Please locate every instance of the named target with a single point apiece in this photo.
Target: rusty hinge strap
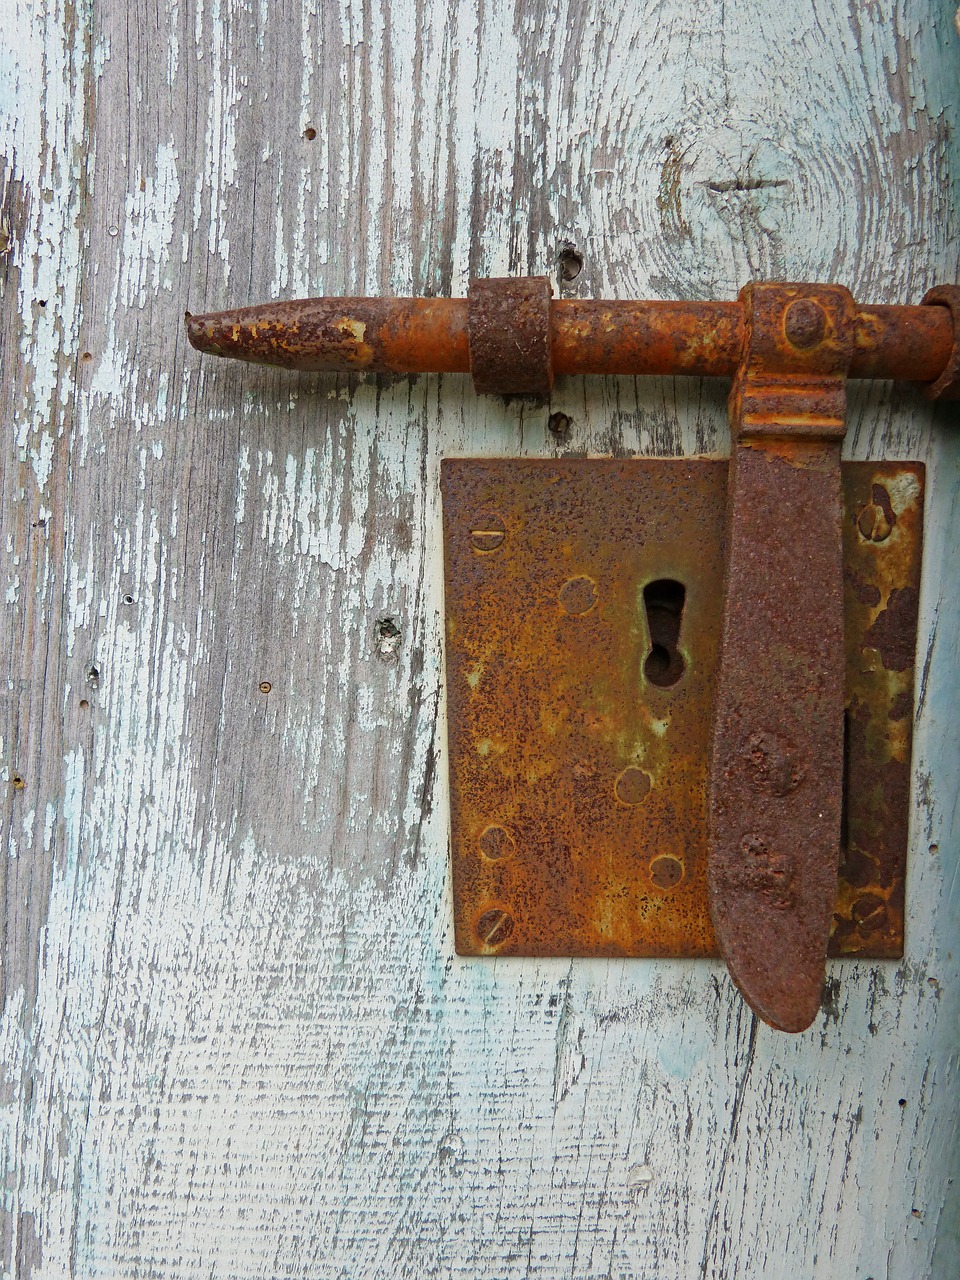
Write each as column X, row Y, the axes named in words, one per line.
column 777, row 766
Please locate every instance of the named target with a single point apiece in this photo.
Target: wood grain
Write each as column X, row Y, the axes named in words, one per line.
column 236, row 1041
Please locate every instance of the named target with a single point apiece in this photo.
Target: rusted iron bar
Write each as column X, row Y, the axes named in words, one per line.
column 432, row 335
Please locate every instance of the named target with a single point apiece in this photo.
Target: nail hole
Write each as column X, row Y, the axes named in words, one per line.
column 265, row 686
column 559, row 424
column 18, row 782
column 664, row 600
column 42, row 302
column 901, row 1102
column 93, row 676
column 570, row 262
column 310, row 133
column 388, row 639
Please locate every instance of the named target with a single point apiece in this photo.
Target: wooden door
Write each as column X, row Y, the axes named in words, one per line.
column 236, row 1040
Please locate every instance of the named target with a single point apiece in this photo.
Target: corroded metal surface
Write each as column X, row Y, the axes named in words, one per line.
column 422, row 335
column 882, row 544
column 580, row 692
column 947, row 386
column 577, row 783
column 777, row 767
column 509, row 327
column 349, row 335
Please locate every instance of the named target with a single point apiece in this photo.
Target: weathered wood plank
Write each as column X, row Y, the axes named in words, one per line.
column 236, row 1040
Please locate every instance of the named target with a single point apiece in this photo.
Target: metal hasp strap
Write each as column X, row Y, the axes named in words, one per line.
column 776, row 785
column 776, row 778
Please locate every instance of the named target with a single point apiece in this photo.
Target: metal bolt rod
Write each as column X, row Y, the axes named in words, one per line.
column 430, row 335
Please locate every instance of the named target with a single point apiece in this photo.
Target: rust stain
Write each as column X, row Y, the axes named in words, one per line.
column 578, row 784
column 881, row 586
column 893, row 633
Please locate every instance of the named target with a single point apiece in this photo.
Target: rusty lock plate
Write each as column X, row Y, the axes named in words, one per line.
column 583, row 609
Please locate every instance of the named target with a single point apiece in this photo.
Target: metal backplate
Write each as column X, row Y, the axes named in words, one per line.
column 583, row 604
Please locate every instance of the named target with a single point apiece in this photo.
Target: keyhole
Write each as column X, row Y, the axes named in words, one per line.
column 663, row 601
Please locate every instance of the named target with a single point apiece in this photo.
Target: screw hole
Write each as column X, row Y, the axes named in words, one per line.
column 309, row 133
column 84, row 705
column 559, row 424
column 570, row 262
column 664, row 601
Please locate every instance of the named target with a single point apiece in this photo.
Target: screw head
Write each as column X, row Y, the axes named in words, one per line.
column 805, row 323
column 873, row 523
column 632, row 785
column 494, row 927
column 666, row 871
column 488, row 533
column 496, row 843
column 578, row 595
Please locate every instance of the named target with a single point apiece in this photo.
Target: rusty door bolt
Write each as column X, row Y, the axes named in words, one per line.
column 514, row 337
column 772, row 861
